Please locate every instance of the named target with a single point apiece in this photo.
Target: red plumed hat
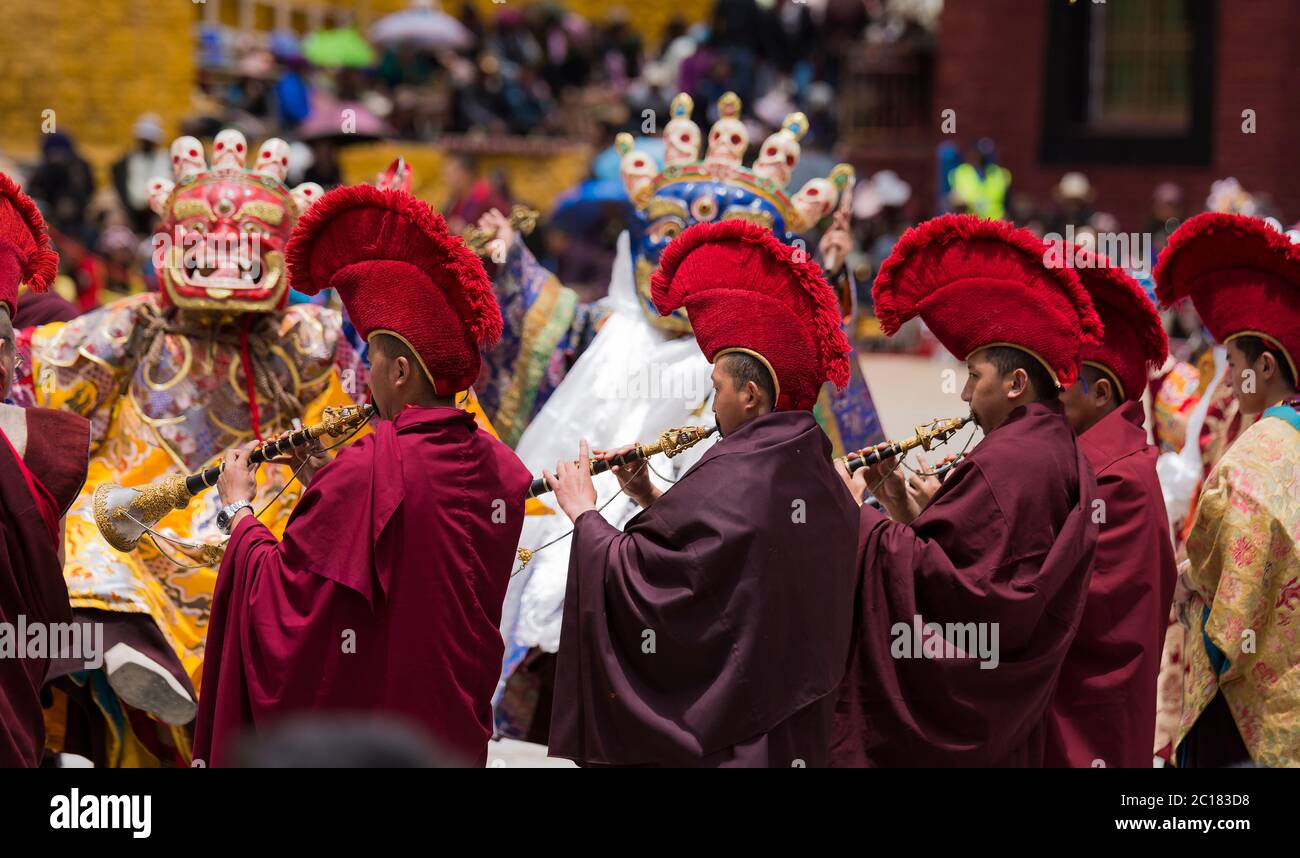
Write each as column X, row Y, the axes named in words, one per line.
column 746, row 291
column 1134, row 339
column 399, row 271
column 1242, row 275
column 978, row 283
column 25, row 252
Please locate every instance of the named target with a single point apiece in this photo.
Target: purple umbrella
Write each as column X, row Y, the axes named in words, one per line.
column 422, row 26
column 342, row 121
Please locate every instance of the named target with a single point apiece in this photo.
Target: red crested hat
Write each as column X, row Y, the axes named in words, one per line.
column 25, row 252
column 400, row 272
column 746, row 291
column 1134, row 339
column 1242, row 275
column 979, row 283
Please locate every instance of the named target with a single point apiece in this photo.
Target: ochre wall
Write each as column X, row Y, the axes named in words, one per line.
column 97, row 64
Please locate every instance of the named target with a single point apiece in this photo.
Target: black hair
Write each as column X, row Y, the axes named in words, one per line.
column 1252, row 347
column 392, row 348
column 1008, row 359
column 1092, row 374
column 744, row 368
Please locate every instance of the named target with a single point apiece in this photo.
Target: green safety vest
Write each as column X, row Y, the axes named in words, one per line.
column 986, row 196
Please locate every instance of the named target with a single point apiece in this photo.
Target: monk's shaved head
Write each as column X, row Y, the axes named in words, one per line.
column 397, row 377
column 744, row 368
column 392, row 348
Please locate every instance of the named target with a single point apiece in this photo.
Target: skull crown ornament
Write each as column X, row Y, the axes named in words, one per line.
column 692, row 189
column 224, row 226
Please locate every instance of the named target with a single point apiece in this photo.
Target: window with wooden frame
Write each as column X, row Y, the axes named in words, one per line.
column 1129, row 80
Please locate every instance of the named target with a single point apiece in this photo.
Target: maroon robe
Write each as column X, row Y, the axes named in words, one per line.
column 42, row 470
column 40, row 308
column 1104, row 712
column 385, row 595
column 1007, row 540
column 714, row 630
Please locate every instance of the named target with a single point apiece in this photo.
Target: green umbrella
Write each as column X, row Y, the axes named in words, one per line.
column 335, row 48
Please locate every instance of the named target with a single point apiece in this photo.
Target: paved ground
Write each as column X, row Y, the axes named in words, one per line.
column 908, row 391
column 509, row 754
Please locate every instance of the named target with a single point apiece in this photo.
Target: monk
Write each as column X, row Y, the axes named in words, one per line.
column 1104, row 712
column 385, row 595
column 714, row 629
column 43, row 460
column 969, row 600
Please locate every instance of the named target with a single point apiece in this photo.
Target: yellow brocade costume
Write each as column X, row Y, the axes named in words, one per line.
column 1245, row 566
column 177, row 408
column 166, row 394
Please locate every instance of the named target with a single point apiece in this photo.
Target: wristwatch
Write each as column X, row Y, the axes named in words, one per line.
column 227, row 515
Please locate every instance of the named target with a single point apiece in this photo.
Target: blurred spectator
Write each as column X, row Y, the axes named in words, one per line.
column 468, row 195
column 1166, row 214
column 324, row 169
column 120, row 275
column 981, row 187
column 584, row 263
column 1073, row 195
column 292, row 94
column 62, row 185
column 144, row 163
column 737, row 28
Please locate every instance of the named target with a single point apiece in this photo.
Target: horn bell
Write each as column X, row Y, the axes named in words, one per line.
column 123, row 514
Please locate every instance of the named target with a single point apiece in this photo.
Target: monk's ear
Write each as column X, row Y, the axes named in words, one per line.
column 1267, row 364
column 1019, row 383
column 1103, row 391
column 401, row 371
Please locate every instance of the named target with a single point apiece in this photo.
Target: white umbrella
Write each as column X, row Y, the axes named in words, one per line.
column 422, row 26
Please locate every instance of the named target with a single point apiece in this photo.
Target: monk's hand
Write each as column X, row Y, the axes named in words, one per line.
column 922, row 486
column 238, row 480
column 634, row 478
column 503, row 234
column 305, row 459
column 836, row 242
column 574, row 490
column 888, row 484
column 856, row 482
